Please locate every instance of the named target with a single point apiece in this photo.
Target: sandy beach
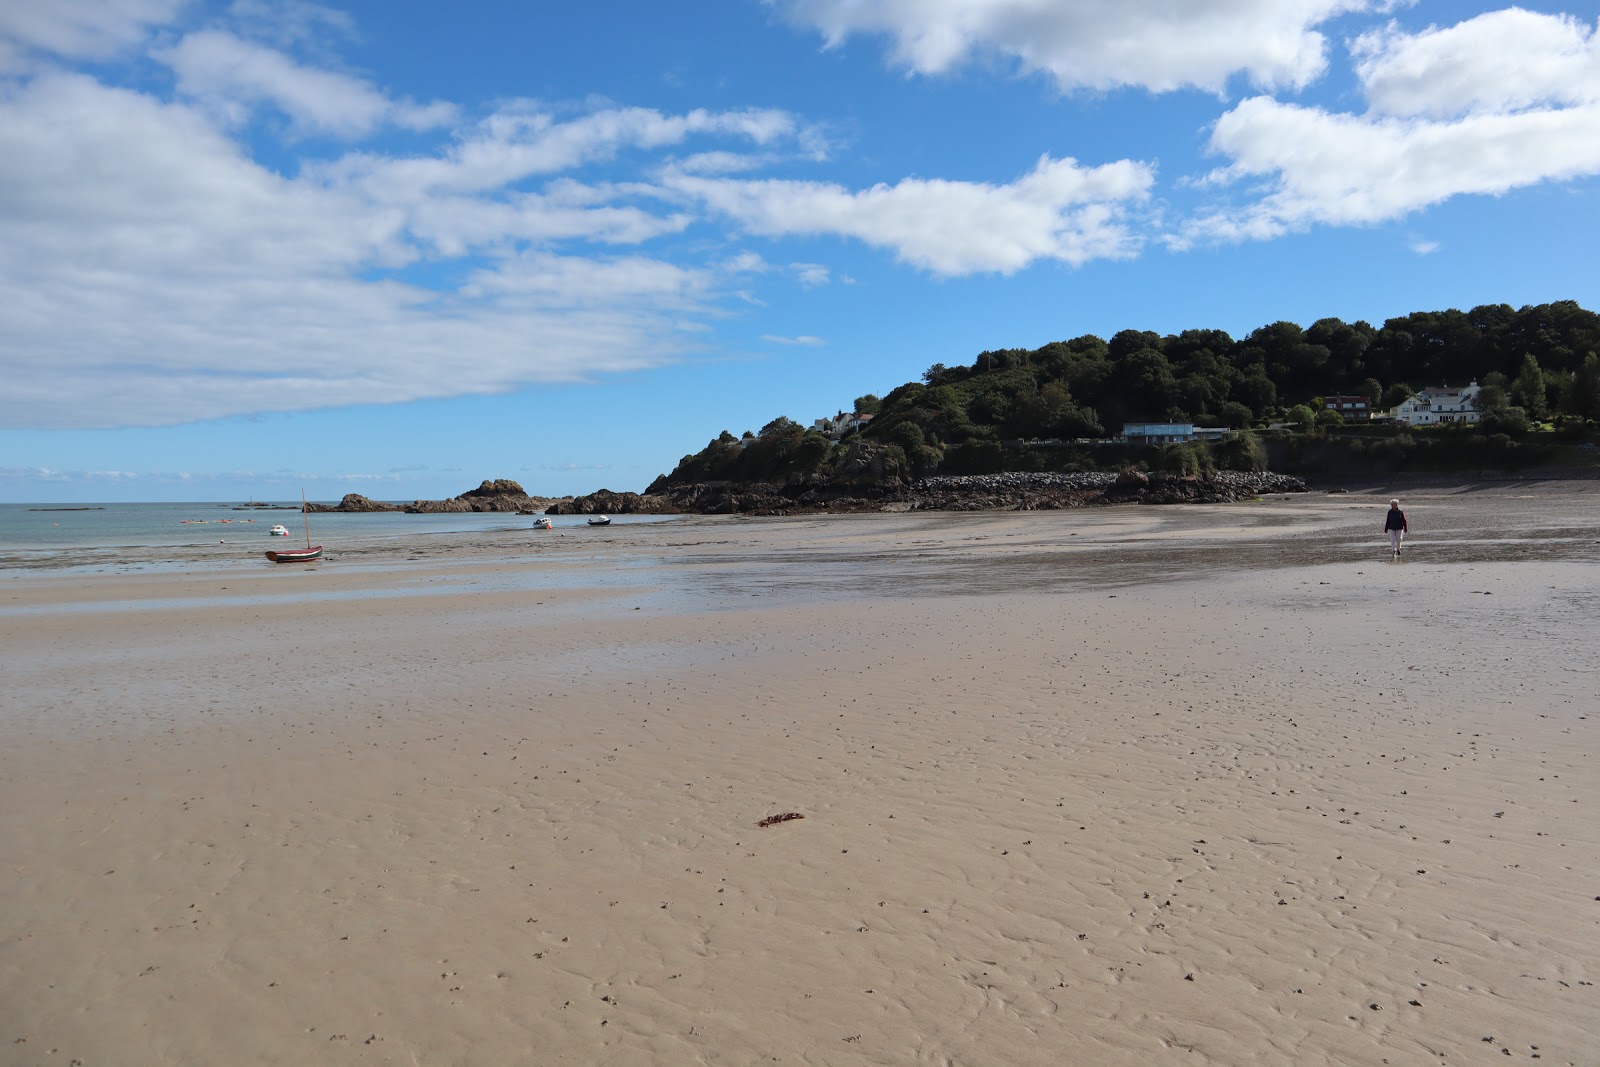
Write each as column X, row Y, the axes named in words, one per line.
column 1137, row 785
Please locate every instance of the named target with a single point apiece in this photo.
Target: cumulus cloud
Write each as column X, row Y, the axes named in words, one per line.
column 1059, row 211
column 156, row 274
column 1450, row 114
column 1159, row 45
column 1499, row 62
column 234, row 75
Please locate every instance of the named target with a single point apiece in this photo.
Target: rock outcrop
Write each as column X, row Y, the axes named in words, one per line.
column 606, row 502
column 977, row 492
column 354, row 502
column 500, row 494
column 974, row 492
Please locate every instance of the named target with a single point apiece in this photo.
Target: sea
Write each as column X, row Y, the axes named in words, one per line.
column 98, row 537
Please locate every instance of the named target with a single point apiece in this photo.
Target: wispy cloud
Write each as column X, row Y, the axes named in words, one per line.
column 231, row 76
column 811, row 275
column 804, row 340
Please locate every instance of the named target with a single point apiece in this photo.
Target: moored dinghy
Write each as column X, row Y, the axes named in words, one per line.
column 299, row 555
column 296, row 555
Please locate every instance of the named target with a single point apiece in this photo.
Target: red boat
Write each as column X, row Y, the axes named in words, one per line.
column 299, row 555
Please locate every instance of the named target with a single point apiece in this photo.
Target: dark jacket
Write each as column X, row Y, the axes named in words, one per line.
column 1396, row 520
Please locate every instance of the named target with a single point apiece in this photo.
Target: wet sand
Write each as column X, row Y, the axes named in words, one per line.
column 1212, row 785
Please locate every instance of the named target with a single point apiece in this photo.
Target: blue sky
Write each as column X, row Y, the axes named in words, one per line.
column 396, row 248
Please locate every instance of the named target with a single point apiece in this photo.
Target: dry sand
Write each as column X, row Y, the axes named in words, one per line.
column 1214, row 785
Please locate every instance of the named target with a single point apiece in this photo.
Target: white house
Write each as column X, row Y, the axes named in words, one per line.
column 1439, row 406
column 840, row 424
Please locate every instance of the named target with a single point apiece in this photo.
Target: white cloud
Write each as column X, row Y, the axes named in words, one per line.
column 1098, row 44
column 1423, row 247
column 523, row 140
column 810, row 275
column 1499, row 62
column 1058, row 210
column 156, row 275
column 1500, row 102
column 804, row 340
column 721, row 163
column 291, row 22
column 1343, row 169
column 77, row 29
column 232, row 75
column 538, row 279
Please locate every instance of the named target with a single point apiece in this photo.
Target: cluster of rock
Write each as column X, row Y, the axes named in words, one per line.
column 974, row 492
column 355, row 502
column 978, row 492
column 1134, row 486
column 500, row 494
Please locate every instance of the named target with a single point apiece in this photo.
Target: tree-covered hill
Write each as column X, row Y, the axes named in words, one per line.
column 1533, row 363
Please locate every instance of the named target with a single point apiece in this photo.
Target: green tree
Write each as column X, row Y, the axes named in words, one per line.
column 1397, row 394
column 1302, row 416
column 1233, row 415
column 1511, row 421
column 782, row 426
column 868, row 405
column 1256, row 392
column 1492, row 394
column 1582, row 399
column 1528, row 389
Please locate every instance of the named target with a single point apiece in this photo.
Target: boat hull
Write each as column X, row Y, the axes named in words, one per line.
column 296, row 555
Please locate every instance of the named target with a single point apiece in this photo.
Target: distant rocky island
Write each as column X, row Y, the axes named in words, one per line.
column 499, row 494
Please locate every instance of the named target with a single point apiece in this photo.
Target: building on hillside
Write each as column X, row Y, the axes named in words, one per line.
column 840, row 424
column 1440, row 406
column 1157, row 433
column 1353, row 408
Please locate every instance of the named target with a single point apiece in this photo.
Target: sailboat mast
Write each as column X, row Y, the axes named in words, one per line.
column 305, row 514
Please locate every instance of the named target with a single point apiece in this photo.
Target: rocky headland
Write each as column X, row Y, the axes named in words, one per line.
column 978, row 492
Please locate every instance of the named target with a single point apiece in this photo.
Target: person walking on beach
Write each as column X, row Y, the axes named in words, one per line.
column 1396, row 526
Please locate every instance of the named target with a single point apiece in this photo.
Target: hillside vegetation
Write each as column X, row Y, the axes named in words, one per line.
column 1048, row 408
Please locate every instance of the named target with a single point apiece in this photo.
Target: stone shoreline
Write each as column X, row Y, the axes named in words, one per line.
column 977, row 492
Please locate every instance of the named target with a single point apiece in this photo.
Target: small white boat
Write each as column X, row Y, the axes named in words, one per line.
column 279, row 531
column 600, row 520
column 542, row 523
